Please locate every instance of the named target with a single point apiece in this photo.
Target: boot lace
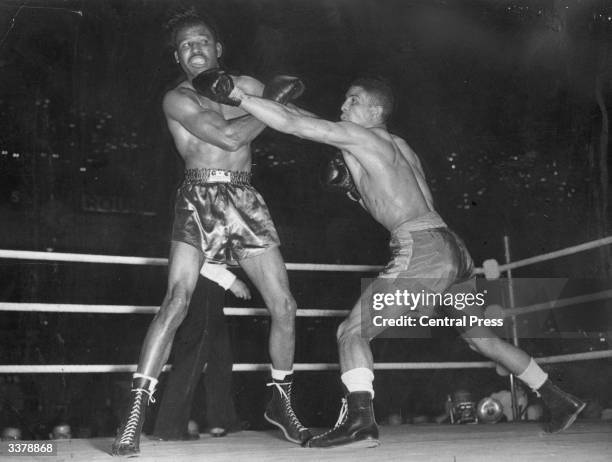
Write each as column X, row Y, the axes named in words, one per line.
column 341, row 419
column 284, row 390
column 134, row 417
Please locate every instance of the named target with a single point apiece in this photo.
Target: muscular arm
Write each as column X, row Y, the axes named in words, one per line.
column 301, row 111
column 202, row 119
column 293, row 121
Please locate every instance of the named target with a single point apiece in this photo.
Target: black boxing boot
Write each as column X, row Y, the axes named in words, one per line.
column 127, row 441
column 563, row 407
column 280, row 412
column 355, row 427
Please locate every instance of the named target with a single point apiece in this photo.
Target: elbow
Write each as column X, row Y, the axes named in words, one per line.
column 289, row 126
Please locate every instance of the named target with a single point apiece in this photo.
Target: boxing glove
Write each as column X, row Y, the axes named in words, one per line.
column 284, row 89
column 216, row 85
column 336, row 175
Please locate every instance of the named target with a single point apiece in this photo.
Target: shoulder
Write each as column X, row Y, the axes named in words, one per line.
column 357, row 137
column 356, row 130
column 369, row 145
column 383, row 139
column 177, row 94
column 248, row 84
column 183, row 98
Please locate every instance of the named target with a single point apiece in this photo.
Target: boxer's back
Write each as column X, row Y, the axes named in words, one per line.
column 391, row 182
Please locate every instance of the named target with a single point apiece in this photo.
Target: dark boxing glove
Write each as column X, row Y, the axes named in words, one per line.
column 337, row 176
column 284, row 89
column 216, row 85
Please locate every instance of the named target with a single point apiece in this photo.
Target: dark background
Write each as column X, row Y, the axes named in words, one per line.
column 506, row 103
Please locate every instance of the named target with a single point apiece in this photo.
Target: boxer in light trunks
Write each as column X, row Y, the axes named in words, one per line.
column 219, row 217
column 426, row 254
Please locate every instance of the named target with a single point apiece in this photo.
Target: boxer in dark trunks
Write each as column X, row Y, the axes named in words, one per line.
column 218, row 217
column 220, row 213
column 426, row 255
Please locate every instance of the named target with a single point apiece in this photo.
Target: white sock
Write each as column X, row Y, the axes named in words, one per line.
column 533, row 375
column 358, row 379
column 152, row 381
column 280, row 375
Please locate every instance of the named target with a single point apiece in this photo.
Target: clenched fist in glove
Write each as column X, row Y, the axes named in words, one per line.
column 216, row 85
column 283, row 89
column 337, row 176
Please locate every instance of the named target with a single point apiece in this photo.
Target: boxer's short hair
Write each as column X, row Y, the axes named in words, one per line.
column 380, row 90
column 180, row 19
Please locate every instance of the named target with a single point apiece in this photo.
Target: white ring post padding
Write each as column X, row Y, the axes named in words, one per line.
column 131, row 309
column 551, row 305
column 490, row 268
column 120, row 260
column 108, row 368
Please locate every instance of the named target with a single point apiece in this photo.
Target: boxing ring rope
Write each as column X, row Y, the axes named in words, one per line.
column 511, row 312
column 557, row 254
column 133, row 309
column 107, row 368
column 560, row 303
column 302, row 312
column 552, row 255
column 121, row 260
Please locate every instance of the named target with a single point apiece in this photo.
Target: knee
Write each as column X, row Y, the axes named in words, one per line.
column 173, row 312
column 284, row 309
column 347, row 330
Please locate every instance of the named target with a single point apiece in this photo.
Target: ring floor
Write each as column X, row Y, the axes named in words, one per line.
column 525, row 442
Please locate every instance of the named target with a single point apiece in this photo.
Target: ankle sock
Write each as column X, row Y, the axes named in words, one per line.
column 359, row 379
column 533, row 375
column 280, row 375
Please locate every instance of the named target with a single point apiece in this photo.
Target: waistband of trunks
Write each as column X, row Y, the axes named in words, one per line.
column 215, row 175
column 428, row 221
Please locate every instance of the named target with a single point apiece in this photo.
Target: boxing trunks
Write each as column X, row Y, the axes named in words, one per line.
column 427, row 248
column 426, row 257
column 220, row 213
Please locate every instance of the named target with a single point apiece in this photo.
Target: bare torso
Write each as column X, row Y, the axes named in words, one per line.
column 196, row 152
column 390, row 181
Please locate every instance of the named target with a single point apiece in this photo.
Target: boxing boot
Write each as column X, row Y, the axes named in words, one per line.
column 127, row 442
column 279, row 412
column 355, row 427
column 563, row 407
